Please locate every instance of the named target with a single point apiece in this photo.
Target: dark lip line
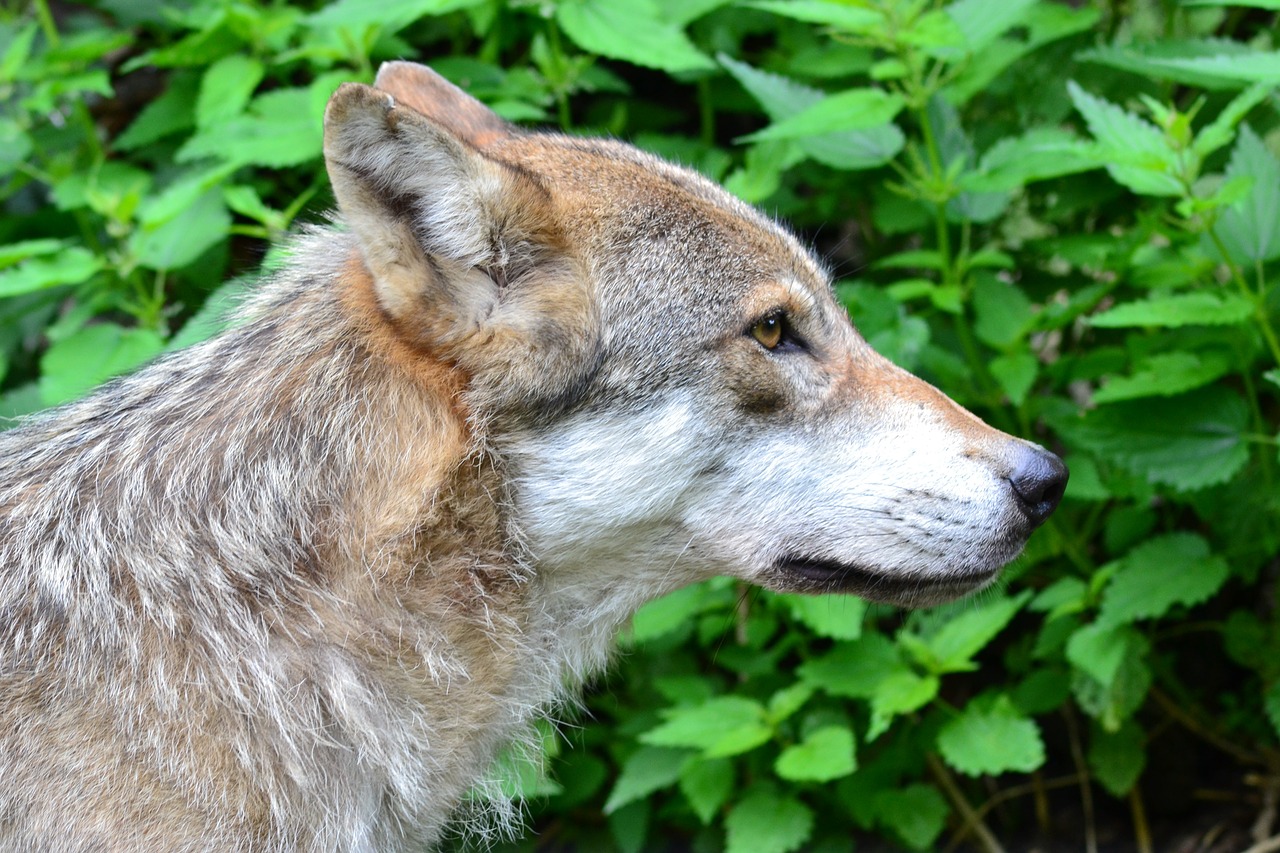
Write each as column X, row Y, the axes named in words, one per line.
column 844, row 575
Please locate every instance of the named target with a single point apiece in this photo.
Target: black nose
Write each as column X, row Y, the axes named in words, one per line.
column 1039, row 478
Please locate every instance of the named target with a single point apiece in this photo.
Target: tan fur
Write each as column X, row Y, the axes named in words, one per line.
column 293, row 588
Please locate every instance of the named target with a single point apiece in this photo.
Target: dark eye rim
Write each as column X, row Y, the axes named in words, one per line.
column 788, row 340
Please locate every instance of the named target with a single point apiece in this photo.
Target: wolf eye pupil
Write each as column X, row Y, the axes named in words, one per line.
column 768, row 332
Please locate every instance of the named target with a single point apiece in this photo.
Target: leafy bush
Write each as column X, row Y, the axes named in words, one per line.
column 1067, row 218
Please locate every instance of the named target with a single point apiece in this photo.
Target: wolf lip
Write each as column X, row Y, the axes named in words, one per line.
column 834, row 576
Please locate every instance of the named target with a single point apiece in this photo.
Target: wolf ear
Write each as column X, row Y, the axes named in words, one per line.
column 422, row 89
column 465, row 252
column 438, row 223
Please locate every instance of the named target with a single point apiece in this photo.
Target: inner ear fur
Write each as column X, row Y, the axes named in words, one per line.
column 463, row 251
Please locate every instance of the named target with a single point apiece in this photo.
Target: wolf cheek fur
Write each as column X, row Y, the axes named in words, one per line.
column 292, row 588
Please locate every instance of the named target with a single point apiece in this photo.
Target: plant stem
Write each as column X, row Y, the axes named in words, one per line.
column 972, row 821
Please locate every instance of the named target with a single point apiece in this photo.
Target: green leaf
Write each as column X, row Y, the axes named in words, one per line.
column 1199, row 308
column 1271, row 704
column 836, row 616
column 969, row 632
column 1037, row 155
column 825, row 754
column 12, row 253
column 1134, row 151
column 1219, row 131
column 1101, row 650
column 1003, row 313
column 392, row 15
column 982, row 21
column 1256, row 66
column 706, row 784
column 1163, row 375
column 849, row 18
column 1250, row 228
column 788, row 700
column 92, row 355
column 1189, row 441
column 854, row 670
column 782, row 98
column 226, row 87
column 1173, row 569
column 1117, row 758
column 767, row 822
column 989, row 737
column 722, row 726
column 900, row 693
column 853, row 109
column 664, row 615
column 916, row 814
column 646, row 770
column 630, row 30
column 1166, row 59
column 69, row 266
column 281, row 128
column 184, row 238
column 1016, row 374
column 170, row 113
column 212, row 317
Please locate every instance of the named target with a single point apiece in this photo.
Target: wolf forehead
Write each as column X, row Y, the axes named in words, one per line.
column 664, row 224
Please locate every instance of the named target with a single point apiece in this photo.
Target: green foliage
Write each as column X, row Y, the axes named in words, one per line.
column 1066, row 218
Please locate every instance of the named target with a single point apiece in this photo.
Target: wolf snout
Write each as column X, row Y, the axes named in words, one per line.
column 1038, row 479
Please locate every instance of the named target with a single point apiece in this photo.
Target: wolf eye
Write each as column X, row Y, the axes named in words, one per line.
column 768, row 331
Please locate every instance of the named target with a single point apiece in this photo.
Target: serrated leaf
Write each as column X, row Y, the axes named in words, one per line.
column 836, row 616
column 849, row 18
column 854, row 670
column 991, row 737
column 280, row 129
column 92, row 355
column 1189, row 442
column 11, row 253
column 1117, row 758
column 393, row 15
column 969, row 632
column 916, row 814
column 900, row 693
column 788, row 700
column 825, row 754
column 1173, row 569
column 72, row 265
column 646, row 770
column 1256, row 66
column 1173, row 310
column 781, row 98
column 706, row 784
column 225, row 88
column 630, row 30
column 184, row 238
column 1038, row 155
column 1163, row 375
column 722, row 726
column 1250, row 228
column 1100, row 651
column 1114, row 702
column 853, row 109
column 1163, row 59
column 766, row 822
column 982, row 21
column 1134, row 151
column 1219, row 131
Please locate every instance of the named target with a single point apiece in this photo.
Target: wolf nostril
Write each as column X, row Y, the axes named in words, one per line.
column 1039, row 478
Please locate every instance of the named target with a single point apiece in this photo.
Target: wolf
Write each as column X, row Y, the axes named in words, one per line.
column 294, row 587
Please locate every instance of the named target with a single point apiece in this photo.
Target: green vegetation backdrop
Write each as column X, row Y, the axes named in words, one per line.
column 1067, row 216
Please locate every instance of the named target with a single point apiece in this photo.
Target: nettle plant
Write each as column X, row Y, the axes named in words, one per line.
column 1067, row 218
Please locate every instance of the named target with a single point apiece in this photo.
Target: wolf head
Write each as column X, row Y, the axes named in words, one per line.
column 662, row 370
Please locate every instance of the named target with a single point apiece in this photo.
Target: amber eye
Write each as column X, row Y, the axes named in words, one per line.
column 768, row 331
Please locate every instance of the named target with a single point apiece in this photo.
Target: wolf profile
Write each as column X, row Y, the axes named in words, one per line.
column 292, row 588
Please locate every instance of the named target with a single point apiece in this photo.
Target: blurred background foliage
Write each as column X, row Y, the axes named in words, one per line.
column 1065, row 215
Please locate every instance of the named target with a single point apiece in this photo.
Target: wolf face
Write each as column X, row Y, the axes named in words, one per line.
column 664, row 370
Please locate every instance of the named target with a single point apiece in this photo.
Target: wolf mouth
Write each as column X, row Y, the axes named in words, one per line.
column 833, row 576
